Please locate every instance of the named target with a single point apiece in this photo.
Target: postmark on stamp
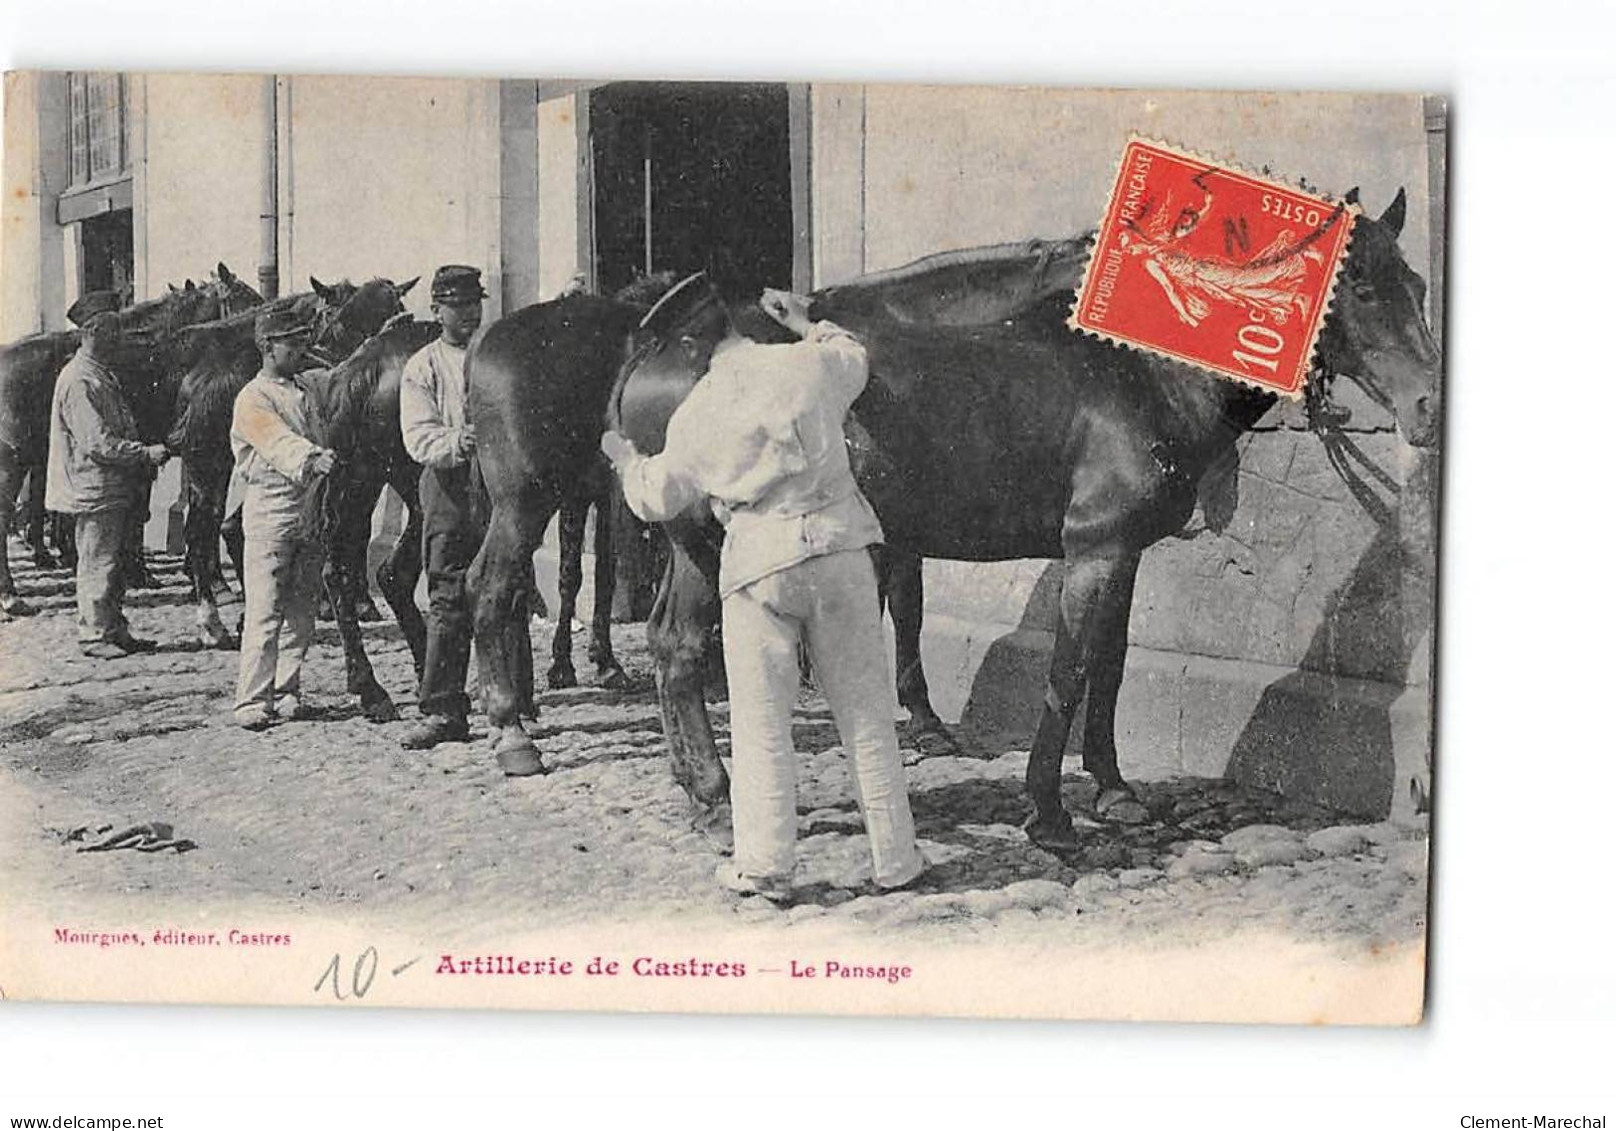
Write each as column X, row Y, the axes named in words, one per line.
column 1213, row 266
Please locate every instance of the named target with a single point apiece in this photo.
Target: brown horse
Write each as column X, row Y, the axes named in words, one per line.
column 206, row 367
column 1024, row 440
column 28, row 372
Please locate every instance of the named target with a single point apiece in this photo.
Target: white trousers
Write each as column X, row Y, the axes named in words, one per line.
column 831, row 603
column 282, row 583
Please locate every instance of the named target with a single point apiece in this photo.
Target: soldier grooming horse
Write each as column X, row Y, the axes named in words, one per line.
column 208, row 366
column 28, row 371
column 1022, row 440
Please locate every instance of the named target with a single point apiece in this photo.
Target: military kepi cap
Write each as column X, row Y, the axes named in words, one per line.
column 688, row 298
column 92, row 304
column 284, row 323
column 457, row 283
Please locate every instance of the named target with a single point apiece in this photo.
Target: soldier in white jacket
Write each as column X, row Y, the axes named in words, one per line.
column 761, row 438
column 279, row 464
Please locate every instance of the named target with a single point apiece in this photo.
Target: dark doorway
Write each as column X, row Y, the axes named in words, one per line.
column 689, row 177
column 108, row 263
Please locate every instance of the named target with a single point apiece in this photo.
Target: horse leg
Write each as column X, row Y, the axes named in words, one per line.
column 401, row 572
column 11, row 605
column 1116, row 800
column 1091, row 588
column 358, row 569
column 679, row 633
column 574, row 512
column 608, row 672
column 204, row 507
column 133, row 549
column 903, row 587
column 64, row 536
column 353, row 524
column 498, row 582
column 34, row 490
column 230, row 533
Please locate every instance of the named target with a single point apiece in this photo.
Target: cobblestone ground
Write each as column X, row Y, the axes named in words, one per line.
column 330, row 813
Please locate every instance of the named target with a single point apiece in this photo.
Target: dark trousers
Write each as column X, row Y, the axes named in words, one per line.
column 454, row 508
column 450, row 538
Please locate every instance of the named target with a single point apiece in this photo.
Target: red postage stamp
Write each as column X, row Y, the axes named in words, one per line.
column 1213, row 266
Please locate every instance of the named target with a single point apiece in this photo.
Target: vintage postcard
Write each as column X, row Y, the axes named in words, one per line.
column 793, row 548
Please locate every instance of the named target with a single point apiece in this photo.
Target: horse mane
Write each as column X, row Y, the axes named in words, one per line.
column 205, row 399
column 644, row 290
column 970, row 256
column 339, row 398
column 191, row 340
column 337, row 401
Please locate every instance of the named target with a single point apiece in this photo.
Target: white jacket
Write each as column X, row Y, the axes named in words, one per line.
column 761, row 433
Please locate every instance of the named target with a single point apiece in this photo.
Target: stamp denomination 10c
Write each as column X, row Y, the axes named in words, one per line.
column 1213, row 266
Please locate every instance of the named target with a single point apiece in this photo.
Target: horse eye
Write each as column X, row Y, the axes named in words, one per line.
column 1363, row 290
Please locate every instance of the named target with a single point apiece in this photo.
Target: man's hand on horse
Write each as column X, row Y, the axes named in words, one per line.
column 466, row 445
column 156, row 454
column 790, row 310
column 324, row 462
column 618, row 448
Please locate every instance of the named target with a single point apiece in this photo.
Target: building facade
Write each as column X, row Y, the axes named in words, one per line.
column 1291, row 649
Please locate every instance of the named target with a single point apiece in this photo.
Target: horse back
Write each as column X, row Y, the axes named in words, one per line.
column 28, row 371
column 539, row 381
column 995, row 443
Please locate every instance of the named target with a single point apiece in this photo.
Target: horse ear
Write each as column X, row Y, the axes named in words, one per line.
column 190, row 285
column 1396, row 212
column 1352, row 195
column 404, row 288
column 319, row 288
column 172, row 289
column 223, row 272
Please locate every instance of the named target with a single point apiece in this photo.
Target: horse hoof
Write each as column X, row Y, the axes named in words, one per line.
column 1055, row 835
column 380, row 711
column 14, row 606
column 516, row 755
column 369, row 613
column 1121, row 806
column 220, row 641
column 717, row 827
column 560, row 678
column 613, row 678
column 931, row 739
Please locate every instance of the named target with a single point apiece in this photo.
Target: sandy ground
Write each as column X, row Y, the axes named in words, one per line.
column 331, row 816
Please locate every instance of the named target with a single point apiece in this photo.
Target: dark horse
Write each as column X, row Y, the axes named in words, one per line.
column 539, row 383
column 28, row 372
column 207, row 366
column 1025, row 440
column 353, row 410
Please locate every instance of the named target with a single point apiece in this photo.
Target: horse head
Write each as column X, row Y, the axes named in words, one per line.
column 232, row 294
column 348, row 315
column 151, row 329
column 1376, row 333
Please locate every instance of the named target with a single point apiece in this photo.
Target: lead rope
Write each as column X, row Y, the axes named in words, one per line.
column 1324, row 418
